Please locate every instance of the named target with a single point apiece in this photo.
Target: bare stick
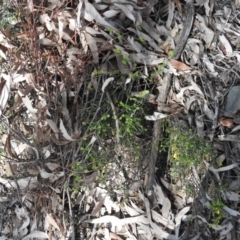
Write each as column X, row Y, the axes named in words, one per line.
column 72, row 230
column 162, row 98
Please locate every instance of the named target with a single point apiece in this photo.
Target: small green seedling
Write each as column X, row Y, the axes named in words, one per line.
column 134, row 75
column 120, row 37
column 117, row 50
column 139, row 27
column 171, row 53
column 110, row 30
column 125, row 60
column 96, row 73
column 142, row 40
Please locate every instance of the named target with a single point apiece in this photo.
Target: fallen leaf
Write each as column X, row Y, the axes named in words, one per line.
column 209, row 65
column 227, row 122
column 156, row 116
column 207, row 33
column 106, row 82
column 97, row 207
column 163, row 200
column 232, row 196
column 93, row 47
column 4, row 91
column 193, row 86
column 119, row 222
column 160, row 233
column 2, row 84
column 27, row 102
column 171, row 8
column 131, row 211
column 180, row 66
column 225, row 231
column 30, row 6
column 179, row 6
column 45, row 19
column 146, row 37
column 54, row 127
column 160, row 219
column 64, row 132
column 126, row 10
column 52, row 166
column 52, row 221
column 230, row 137
column 114, row 236
column 232, row 212
column 4, row 41
column 2, row 54
column 91, row 14
column 110, row 13
column 36, row 234
column 225, row 45
column 178, row 219
column 223, row 169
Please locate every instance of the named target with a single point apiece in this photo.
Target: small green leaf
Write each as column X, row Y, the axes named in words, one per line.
column 142, row 40
column 117, row 50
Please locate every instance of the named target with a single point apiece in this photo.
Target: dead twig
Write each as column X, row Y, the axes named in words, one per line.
column 71, row 228
column 162, row 97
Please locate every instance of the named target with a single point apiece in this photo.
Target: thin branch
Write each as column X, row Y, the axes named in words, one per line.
column 115, row 118
column 162, row 97
column 72, row 230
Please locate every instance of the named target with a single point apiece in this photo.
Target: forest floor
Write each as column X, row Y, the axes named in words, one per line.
column 120, row 119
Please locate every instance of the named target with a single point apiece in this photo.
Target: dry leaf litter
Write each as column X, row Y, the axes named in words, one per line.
column 67, row 63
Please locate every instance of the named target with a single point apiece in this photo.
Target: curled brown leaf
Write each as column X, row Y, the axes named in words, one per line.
column 227, row 122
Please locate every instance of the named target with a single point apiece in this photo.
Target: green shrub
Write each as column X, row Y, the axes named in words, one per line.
column 98, row 156
column 185, row 151
column 217, row 211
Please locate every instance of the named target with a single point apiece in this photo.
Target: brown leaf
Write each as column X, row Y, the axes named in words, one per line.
column 227, row 122
column 28, row 128
column 224, row 50
column 179, row 6
column 180, row 66
column 8, row 148
column 3, row 50
column 4, row 41
column 114, row 236
column 2, row 83
column 24, row 35
column 97, row 208
column 52, row 221
column 17, row 103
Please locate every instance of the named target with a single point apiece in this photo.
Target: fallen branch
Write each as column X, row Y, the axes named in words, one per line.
column 162, row 98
